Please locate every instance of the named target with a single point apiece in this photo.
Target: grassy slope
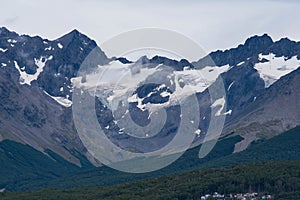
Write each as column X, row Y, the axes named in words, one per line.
column 21, row 164
column 283, row 147
column 105, row 176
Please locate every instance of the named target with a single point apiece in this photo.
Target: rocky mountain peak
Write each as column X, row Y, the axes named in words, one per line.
column 75, row 37
column 284, row 47
column 5, row 32
column 258, row 42
column 251, row 48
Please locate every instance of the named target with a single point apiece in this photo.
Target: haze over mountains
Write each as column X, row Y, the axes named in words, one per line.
column 38, row 77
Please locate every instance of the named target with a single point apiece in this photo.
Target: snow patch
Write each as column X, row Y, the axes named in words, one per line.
column 3, row 64
column 228, row 112
column 240, row 63
column 165, row 94
column 61, row 100
column 186, row 68
column 48, row 48
column 121, row 131
column 134, row 98
column 60, row 45
column 28, row 78
column 275, row 67
column 197, row 80
column 219, row 103
column 3, row 50
column 12, row 41
column 197, row 132
column 230, row 85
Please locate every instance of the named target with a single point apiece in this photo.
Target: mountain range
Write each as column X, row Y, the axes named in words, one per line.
column 38, row 78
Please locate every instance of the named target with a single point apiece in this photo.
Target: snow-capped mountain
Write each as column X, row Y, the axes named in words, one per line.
column 254, row 83
column 39, row 76
column 36, row 90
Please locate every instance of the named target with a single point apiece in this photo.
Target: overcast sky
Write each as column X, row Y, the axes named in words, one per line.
column 212, row 24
